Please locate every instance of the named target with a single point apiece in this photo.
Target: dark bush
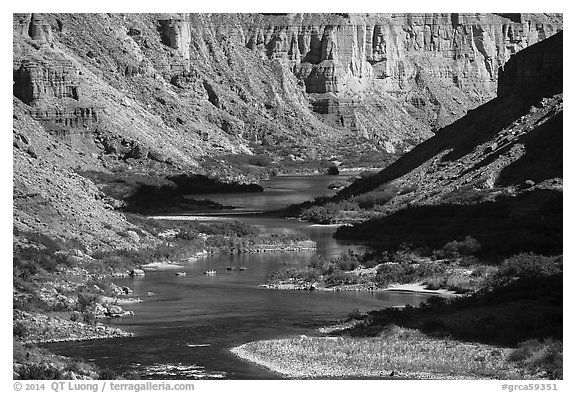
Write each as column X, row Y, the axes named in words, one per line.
column 357, row 314
column 332, row 170
column 347, row 261
column 546, row 355
column 307, row 274
column 107, row 374
column 89, row 317
column 39, row 371
column 526, row 266
column 436, row 301
column 19, row 329
column 467, row 247
column 318, row 214
column 341, row 278
column 370, row 262
column 390, row 273
column 404, row 255
column 227, row 228
column 376, row 197
column 87, row 300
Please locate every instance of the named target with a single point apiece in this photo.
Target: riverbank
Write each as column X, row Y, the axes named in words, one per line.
column 510, row 329
column 416, row 287
column 399, row 353
column 42, row 328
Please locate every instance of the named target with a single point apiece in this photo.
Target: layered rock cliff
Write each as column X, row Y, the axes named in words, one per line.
column 433, row 66
column 495, row 173
column 223, row 82
column 169, row 93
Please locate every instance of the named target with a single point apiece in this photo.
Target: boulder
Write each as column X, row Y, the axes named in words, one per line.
column 137, row 272
column 114, row 311
column 133, row 236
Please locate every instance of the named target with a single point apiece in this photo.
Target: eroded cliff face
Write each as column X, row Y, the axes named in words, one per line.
column 494, row 174
column 165, row 93
column 433, row 66
column 508, row 146
column 193, row 84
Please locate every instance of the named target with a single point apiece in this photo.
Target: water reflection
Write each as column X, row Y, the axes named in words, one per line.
column 279, row 192
column 187, row 328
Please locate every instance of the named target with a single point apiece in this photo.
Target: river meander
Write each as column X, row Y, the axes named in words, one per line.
column 186, row 327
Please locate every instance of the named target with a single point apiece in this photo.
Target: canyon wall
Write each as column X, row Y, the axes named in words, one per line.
column 434, row 66
column 176, row 93
column 226, row 81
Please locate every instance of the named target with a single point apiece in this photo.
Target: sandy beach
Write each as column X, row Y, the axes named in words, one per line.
column 419, row 287
column 166, row 265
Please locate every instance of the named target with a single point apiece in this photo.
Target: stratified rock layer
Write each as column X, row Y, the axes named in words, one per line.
column 496, row 172
column 164, row 93
column 435, row 66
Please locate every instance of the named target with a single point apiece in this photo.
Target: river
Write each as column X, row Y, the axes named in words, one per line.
column 186, row 328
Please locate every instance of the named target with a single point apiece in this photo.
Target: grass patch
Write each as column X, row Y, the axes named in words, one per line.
column 397, row 352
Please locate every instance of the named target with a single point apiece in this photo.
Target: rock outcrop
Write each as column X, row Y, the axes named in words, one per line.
column 165, row 94
column 491, row 136
column 534, row 73
column 435, row 66
column 495, row 172
column 220, row 83
column 38, row 81
column 175, row 33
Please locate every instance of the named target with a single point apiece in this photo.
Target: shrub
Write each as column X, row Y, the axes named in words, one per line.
column 347, row 261
column 341, row 278
column 228, row 228
column 89, row 317
column 369, row 262
column 19, row 329
column 107, row 374
column 307, row 274
column 376, row 197
column 404, row 255
column 87, row 300
column 530, row 266
column 322, row 265
column 318, row 214
column 436, row 301
column 483, row 271
column 357, row 314
column 389, row 273
column 539, row 356
column 241, row 159
column 23, row 268
column 39, row 371
column 467, row 247
column 526, row 266
column 75, row 316
column 332, row 170
column 259, row 160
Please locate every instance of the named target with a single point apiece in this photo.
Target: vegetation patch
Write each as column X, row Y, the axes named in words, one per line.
column 396, row 353
column 148, row 194
column 531, row 222
column 461, row 272
column 508, row 326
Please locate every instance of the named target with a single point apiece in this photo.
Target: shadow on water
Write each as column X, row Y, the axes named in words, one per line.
column 186, row 325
